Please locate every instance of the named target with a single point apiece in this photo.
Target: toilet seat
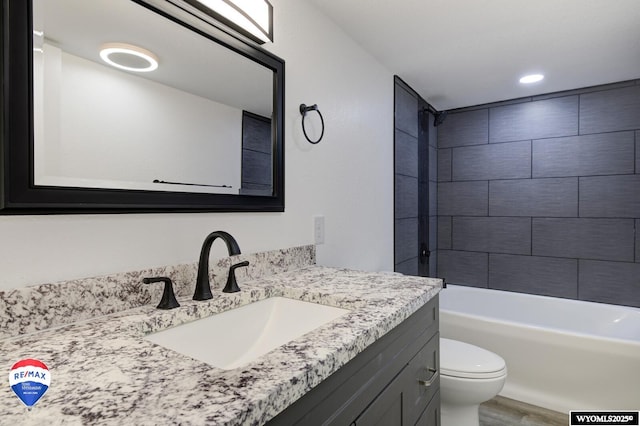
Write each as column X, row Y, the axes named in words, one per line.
column 459, row 359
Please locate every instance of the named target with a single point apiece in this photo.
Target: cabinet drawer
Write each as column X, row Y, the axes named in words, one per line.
column 431, row 415
column 424, row 381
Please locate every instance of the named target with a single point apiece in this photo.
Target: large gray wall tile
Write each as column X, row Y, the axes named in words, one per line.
column 610, row 110
column 406, row 155
column 256, row 167
column 534, row 120
column 547, row 276
column 553, row 197
column 433, row 233
column 406, row 203
column 495, row 104
column 433, row 198
column 493, row 234
column 433, row 132
column 497, row 161
column 444, row 232
column 597, row 239
column 610, row 196
column 433, row 264
column 638, row 151
column 465, row 268
column 510, row 102
column 602, row 154
column 408, row 267
column 444, row 165
column 255, row 189
column 638, row 240
column 256, row 134
column 464, row 128
column 433, row 164
column 586, row 90
column 406, row 114
column 463, row 198
column 610, row 282
column 406, row 239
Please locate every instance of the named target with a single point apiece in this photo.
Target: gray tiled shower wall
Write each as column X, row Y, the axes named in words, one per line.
column 410, row 191
column 542, row 195
column 406, row 182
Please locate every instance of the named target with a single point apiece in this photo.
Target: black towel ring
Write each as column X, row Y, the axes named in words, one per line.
column 304, row 110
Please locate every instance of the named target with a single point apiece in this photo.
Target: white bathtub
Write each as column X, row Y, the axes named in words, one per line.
column 561, row 354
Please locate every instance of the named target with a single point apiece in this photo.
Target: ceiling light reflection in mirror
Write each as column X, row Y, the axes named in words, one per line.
column 129, row 57
column 177, row 129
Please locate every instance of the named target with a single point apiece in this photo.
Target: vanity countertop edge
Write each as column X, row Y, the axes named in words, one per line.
column 103, row 371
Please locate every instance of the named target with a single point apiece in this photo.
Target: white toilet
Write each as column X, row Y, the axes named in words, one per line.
column 469, row 376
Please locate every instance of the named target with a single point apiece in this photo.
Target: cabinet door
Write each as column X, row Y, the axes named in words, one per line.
column 431, row 415
column 386, row 409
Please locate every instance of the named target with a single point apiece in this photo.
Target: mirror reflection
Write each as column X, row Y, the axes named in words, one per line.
column 200, row 122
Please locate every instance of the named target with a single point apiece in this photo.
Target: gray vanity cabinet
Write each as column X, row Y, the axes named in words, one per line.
column 384, row 385
column 404, row 400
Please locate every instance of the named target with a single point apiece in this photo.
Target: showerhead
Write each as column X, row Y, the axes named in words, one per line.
column 439, row 117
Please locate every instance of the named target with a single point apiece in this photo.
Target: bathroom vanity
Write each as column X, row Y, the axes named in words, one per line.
column 393, row 382
column 377, row 362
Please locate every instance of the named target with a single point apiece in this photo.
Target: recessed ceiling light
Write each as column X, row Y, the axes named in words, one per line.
column 531, row 78
column 128, row 57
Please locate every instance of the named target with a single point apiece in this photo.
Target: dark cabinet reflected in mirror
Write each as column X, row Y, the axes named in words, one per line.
column 127, row 105
column 257, row 155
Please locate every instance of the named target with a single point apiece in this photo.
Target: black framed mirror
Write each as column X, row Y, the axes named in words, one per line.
column 79, row 135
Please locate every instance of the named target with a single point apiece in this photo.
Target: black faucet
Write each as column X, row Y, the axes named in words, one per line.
column 168, row 300
column 203, row 287
column 232, row 285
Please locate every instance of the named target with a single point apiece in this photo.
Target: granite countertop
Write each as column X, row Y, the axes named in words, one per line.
column 104, row 372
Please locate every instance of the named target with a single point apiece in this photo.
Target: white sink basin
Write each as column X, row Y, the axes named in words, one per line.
column 234, row 338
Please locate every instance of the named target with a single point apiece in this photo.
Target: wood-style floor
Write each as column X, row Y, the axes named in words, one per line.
column 501, row 411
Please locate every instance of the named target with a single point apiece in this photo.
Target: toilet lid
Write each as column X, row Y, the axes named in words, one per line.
column 459, row 359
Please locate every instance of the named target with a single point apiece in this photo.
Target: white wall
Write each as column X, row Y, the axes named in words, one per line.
column 348, row 178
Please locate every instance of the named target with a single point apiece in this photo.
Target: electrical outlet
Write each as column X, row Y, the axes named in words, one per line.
column 318, row 229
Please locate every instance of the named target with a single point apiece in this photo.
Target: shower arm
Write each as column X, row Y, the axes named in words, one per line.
column 438, row 116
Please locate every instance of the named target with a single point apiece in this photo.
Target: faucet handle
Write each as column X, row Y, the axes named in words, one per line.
column 232, row 285
column 168, row 300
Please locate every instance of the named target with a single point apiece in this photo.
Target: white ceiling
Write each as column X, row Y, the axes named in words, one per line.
column 458, row 53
